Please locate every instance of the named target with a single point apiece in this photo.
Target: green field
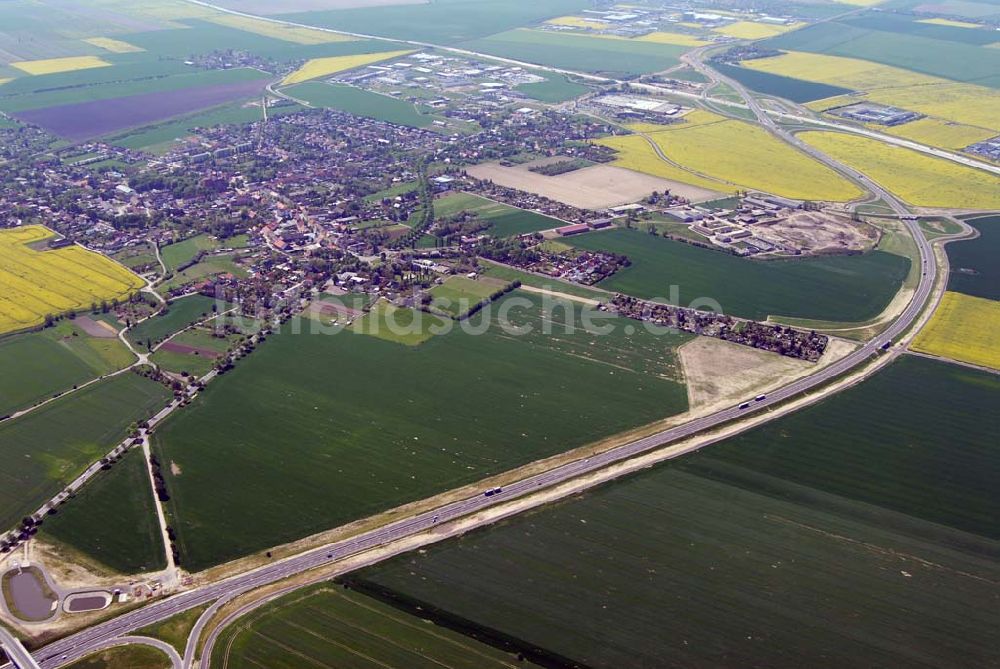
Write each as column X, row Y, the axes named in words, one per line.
column 458, row 294
column 324, row 626
column 37, row 365
column 505, row 220
column 838, row 288
column 43, row 451
column 313, row 430
column 556, row 88
column 196, row 364
column 126, row 657
column 113, row 519
column 176, row 629
column 180, row 253
column 908, row 25
column 796, row 90
column 506, row 273
column 180, row 314
column 442, row 21
column 580, row 52
column 974, row 268
column 210, row 266
column 360, row 102
column 858, row 532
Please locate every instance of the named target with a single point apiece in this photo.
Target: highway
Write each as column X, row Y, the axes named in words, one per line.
column 82, row 643
column 11, row 645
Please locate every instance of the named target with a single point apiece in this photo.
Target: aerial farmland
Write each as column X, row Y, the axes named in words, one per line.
column 473, row 333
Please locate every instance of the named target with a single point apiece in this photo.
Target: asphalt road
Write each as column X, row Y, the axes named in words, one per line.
column 15, row 651
column 98, row 636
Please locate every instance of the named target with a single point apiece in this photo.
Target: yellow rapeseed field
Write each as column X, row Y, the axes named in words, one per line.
column 730, row 155
column 113, row 45
column 278, row 30
column 751, row 30
column 578, row 22
column 35, row 283
column 919, row 179
column 322, row 67
column 936, row 132
column 950, row 22
column 677, row 39
column 963, row 328
column 53, row 65
column 850, row 73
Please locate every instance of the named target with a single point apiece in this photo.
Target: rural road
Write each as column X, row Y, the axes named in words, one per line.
column 82, row 643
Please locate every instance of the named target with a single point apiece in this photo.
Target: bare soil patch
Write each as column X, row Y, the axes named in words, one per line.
column 184, row 349
column 816, row 232
column 333, row 309
column 94, row 328
column 596, row 187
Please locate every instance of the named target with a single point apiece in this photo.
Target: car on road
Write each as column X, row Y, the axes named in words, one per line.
column 745, row 405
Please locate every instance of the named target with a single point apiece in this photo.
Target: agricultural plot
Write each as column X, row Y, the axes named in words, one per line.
column 113, row 520
column 839, row 288
column 458, row 294
column 54, row 65
column 581, row 52
column 916, row 178
column 934, row 57
column 192, row 351
column 857, row 531
column 183, row 252
column 360, row 102
column 755, row 31
column 736, row 154
column 937, row 132
column 323, row 67
column 112, row 45
column 36, row 283
column 281, row 421
column 390, row 323
column 38, row 365
column 180, row 314
column 329, row 627
column 45, row 450
column 796, row 90
column 447, row 22
column 287, row 33
column 556, row 88
column 964, row 328
column 949, row 31
column 209, row 267
column 506, row 221
column 974, row 269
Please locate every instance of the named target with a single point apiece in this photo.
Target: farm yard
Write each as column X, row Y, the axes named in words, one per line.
column 812, row 541
column 278, row 418
column 916, row 178
column 55, row 443
column 963, row 328
column 841, row 288
column 36, row 283
column 38, row 365
column 334, row 627
column 129, row 545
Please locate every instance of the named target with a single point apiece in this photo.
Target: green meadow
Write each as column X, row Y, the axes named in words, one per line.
column 360, row 103
column 860, row 531
column 180, row 314
column 505, row 220
column 315, row 430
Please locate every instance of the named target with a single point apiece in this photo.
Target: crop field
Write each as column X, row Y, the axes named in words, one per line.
column 839, row 288
column 858, row 531
column 556, row 88
column 113, row 519
column 112, row 45
column 974, row 270
column 193, row 351
column 796, row 90
column 360, row 103
column 458, row 294
column 506, row 221
column 950, row 22
column 287, row 33
column 935, row 57
column 182, row 252
column 936, row 30
column 581, row 52
column 445, row 22
column 506, row 273
column 329, row 627
column 329, row 452
column 210, row 266
column 963, row 328
column 390, row 323
column 40, row 364
column 937, row 132
column 679, row 39
column 54, row 65
column 46, row 449
column 918, row 179
column 578, row 22
column 35, row 283
column 845, row 72
column 322, row 67
column 752, row 30
column 87, row 120
column 738, row 154
column 181, row 313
